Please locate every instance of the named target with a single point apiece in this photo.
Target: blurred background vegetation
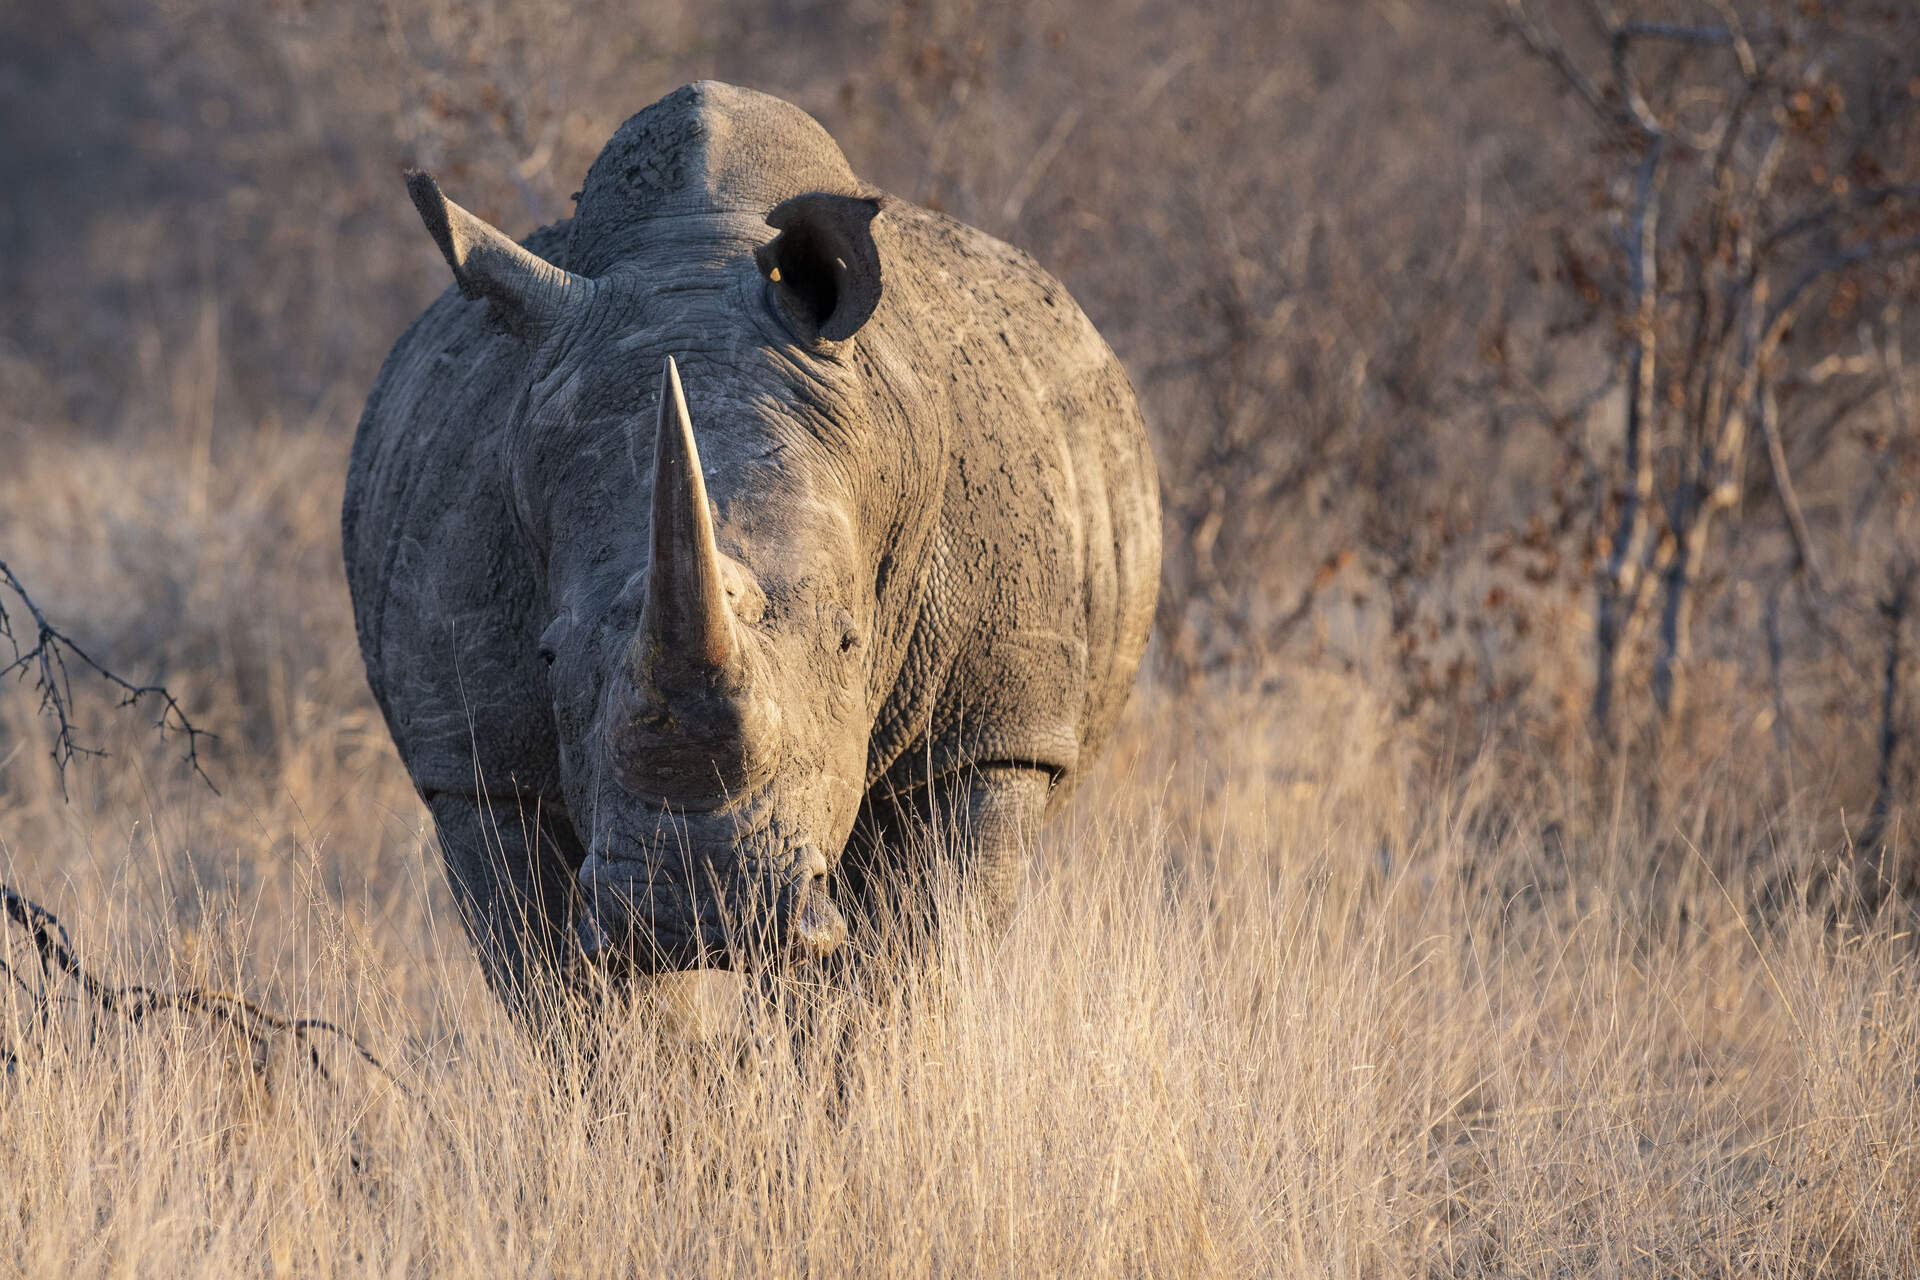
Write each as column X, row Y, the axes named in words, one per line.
column 1532, row 368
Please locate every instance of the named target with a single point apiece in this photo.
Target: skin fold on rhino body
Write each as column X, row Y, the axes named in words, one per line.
column 703, row 543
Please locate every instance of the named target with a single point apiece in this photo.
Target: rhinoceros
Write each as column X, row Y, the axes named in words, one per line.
column 702, row 544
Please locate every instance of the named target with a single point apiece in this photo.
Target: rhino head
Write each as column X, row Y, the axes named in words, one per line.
column 710, row 556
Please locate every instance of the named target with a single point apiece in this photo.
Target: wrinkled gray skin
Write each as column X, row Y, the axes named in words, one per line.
column 916, row 585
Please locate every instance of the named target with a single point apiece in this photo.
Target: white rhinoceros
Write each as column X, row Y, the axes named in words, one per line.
column 707, row 541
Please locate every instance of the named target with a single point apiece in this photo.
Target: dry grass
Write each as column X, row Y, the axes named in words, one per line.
column 1276, row 1002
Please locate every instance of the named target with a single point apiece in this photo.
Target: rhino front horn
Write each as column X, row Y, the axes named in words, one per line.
column 686, row 614
column 527, row 291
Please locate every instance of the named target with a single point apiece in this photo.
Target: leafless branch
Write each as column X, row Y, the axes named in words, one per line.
column 1803, row 560
column 1675, row 32
column 1832, row 264
column 1618, row 586
column 1813, row 219
column 53, row 950
column 1309, row 594
column 47, row 660
column 1776, row 675
column 1737, row 37
column 1638, row 111
column 1893, row 611
column 1548, row 48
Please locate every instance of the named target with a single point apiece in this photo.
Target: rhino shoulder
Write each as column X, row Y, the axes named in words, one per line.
column 444, row 599
column 1046, row 562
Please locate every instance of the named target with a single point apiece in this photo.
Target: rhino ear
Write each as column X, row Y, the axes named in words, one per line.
column 824, row 266
column 529, row 293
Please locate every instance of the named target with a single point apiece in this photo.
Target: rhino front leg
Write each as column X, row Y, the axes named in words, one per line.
column 993, row 813
column 980, row 820
column 511, row 868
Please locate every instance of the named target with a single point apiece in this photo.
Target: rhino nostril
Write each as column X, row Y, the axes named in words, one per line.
column 818, row 926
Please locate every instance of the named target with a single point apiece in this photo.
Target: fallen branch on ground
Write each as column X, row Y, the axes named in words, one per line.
column 60, row 966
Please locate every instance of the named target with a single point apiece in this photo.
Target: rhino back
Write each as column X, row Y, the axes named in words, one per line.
column 1044, row 565
column 445, row 600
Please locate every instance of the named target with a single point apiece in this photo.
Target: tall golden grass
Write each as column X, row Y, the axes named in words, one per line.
column 1278, row 999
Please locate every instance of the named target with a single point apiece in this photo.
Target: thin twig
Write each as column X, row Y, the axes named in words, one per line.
column 1863, row 198
column 1803, row 560
column 1872, row 252
column 44, row 661
column 1548, row 48
column 1638, row 112
column 1675, row 32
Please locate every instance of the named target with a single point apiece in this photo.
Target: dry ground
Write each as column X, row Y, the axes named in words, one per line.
column 1275, row 1003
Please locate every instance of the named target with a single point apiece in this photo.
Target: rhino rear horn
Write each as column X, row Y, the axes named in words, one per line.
column 824, row 266
column 686, row 614
column 528, row 292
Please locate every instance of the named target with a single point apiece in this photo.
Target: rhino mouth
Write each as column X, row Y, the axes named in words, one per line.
column 637, row 919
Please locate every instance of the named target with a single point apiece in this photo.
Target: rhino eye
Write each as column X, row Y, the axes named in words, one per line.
column 550, row 640
column 849, row 632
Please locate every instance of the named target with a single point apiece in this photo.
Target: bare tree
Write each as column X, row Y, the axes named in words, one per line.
column 1758, row 174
